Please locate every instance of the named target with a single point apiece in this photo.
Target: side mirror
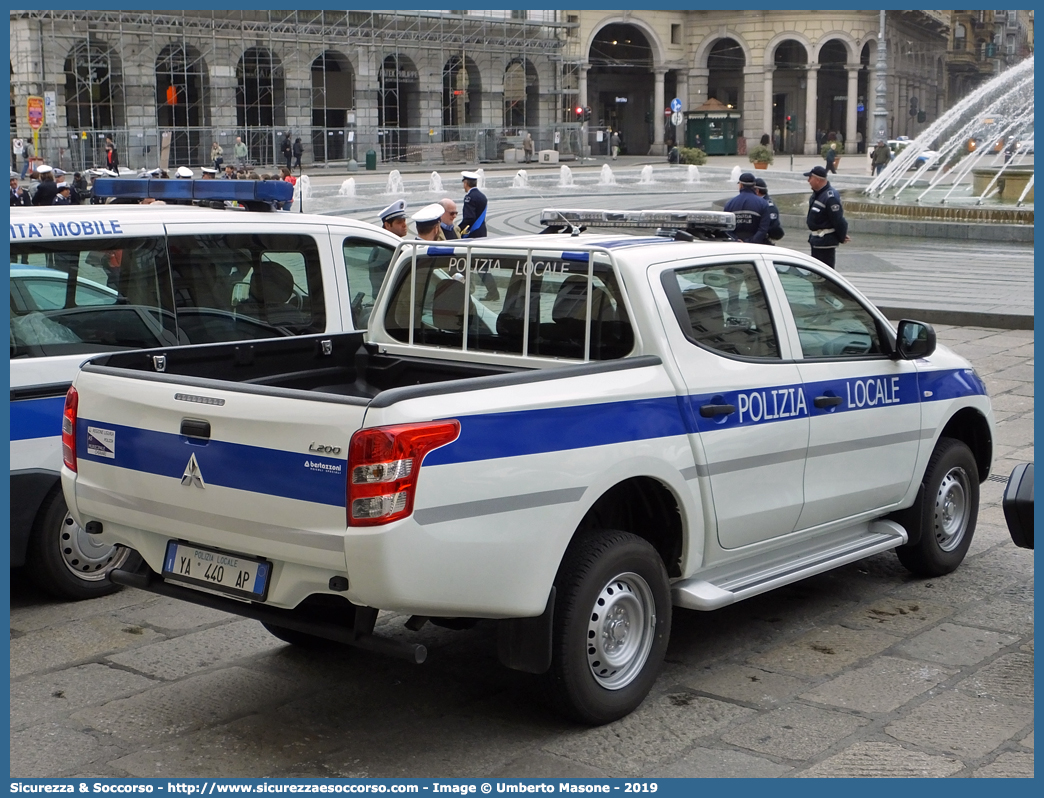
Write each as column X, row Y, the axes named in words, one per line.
column 914, row 339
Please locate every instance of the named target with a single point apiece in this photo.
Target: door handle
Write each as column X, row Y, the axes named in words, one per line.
column 710, row 411
column 195, row 428
column 826, row 401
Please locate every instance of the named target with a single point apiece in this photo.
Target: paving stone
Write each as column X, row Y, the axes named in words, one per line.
column 897, row 616
column 952, row 644
column 960, row 724
column 1007, row 678
column 41, row 697
column 826, row 651
column 744, row 683
column 1028, row 741
column 794, row 731
column 1011, row 765
column 1001, row 614
column 76, row 642
column 882, row 685
column 882, row 761
column 173, row 616
column 170, row 710
column 538, row 765
column 257, row 746
column 714, row 763
column 50, row 612
column 659, row 729
column 180, row 656
column 34, row 751
column 972, row 586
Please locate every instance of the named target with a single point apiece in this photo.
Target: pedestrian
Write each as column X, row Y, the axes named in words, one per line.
column 287, row 150
column 298, row 152
column 47, row 190
column 426, row 221
column 287, row 177
column 19, row 196
column 473, row 225
column 239, row 153
column 448, row 229
column 81, row 192
column 880, row 158
column 775, row 230
column 112, row 158
column 831, row 157
column 64, row 195
column 217, row 155
column 27, row 154
column 527, row 146
column 859, row 141
column 840, row 139
column 820, row 135
column 230, row 172
column 752, row 212
column 614, row 144
column 826, row 218
column 209, row 173
column 777, row 139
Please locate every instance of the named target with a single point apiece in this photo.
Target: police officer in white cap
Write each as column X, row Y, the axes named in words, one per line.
column 393, row 218
column 427, row 221
column 209, row 173
column 473, row 225
column 184, row 172
column 48, row 189
column 64, row 196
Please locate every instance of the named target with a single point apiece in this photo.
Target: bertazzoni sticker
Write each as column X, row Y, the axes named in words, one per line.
column 101, row 442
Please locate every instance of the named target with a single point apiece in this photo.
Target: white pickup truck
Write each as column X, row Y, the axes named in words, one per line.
column 637, row 422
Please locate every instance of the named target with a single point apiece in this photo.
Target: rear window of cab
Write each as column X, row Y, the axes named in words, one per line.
column 510, row 303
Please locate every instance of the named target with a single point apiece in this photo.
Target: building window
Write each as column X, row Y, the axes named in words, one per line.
column 959, row 37
column 92, row 80
column 676, row 33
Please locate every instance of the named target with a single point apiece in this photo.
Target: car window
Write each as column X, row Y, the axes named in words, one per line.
column 366, row 263
column 241, row 286
column 830, row 322
column 723, row 307
column 547, row 315
column 80, row 297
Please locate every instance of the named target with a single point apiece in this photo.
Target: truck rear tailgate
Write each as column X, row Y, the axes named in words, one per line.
column 262, row 470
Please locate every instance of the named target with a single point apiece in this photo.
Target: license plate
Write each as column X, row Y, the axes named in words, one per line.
column 235, row 574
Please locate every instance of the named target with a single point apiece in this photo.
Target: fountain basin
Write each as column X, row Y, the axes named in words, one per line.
column 1009, row 185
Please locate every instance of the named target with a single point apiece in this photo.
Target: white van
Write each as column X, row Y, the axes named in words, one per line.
column 97, row 278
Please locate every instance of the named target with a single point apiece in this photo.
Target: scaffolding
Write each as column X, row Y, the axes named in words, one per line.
column 169, row 86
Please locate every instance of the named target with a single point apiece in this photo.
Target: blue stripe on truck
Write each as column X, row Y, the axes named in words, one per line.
column 37, row 418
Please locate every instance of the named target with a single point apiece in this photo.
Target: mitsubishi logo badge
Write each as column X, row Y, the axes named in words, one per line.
column 192, row 475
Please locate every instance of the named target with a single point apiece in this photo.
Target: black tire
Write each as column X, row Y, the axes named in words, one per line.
column 66, row 562
column 612, row 622
column 945, row 511
column 301, row 639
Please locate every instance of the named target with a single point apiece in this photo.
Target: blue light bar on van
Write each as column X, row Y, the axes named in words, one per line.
column 706, row 220
column 215, row 190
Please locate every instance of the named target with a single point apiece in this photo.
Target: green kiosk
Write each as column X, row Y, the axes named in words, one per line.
column 716, row 124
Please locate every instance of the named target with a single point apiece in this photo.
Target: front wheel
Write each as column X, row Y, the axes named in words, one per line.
column 66, row 562
column 611, row 626
column 945, row 512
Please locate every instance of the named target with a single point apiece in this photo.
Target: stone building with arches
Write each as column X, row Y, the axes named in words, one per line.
column 425, row 84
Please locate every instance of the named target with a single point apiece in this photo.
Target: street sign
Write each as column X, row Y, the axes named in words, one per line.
column 50, row 108
column 35, row 107
column 676, row 118
column 676, row 105
column 666, row 111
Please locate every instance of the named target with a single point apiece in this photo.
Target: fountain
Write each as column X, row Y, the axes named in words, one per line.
column 694, row 174
column 347, row 188
column 395, row 185
column 735, row 175
column 521, row 179
column 646, row 178
column 606, row 178
column 435, row 183
column 565, row 179
column 482, row 179
column 975, row 142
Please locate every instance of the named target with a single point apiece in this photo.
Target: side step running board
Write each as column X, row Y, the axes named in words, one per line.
column 277, row 616
column 726, row 584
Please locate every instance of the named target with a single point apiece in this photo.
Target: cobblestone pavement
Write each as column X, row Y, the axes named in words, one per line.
column 863, row 671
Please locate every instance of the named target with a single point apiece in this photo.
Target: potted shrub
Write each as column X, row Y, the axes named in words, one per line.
column 761, row 156
column 692, row 155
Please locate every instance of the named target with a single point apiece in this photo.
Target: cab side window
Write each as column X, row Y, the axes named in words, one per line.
column 242, row 286
column 91, row 295
column 366, row 263
column 830, row 322
column 723, row 308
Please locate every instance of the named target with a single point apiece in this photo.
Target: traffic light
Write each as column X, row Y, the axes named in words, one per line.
column 579, row 113
column 587, row 114
column 913, row 106
column 922, row 116
column 791, row 125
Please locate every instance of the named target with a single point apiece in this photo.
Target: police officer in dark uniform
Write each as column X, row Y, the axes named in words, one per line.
column 825, row 218
column 775, row 228
column 752, row 212
column 473, row 225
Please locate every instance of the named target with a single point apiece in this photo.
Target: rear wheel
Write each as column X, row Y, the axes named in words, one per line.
column 66, row 562
column 945, row 512
column 611, row 625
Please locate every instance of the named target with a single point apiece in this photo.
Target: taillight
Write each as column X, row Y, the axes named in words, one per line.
column 383, row 464
column 72, row 401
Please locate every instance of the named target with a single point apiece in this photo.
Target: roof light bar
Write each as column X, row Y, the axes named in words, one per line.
column 217, row 190
column 707, row 220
